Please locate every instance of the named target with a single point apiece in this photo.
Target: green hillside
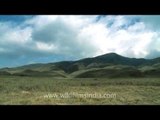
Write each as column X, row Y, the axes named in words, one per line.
column 107, row 65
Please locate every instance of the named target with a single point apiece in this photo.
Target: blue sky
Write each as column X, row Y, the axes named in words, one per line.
column 50, row 38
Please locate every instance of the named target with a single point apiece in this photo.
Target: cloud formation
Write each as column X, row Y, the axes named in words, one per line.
column 55, row 38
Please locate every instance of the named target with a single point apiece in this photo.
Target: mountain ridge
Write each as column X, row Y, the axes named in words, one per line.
column 99, row 56
column 110, row 64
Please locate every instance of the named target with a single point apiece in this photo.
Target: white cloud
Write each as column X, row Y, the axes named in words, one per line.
column 81, row 36
column 45, row 47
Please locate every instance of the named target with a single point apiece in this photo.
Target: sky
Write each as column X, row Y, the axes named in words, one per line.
column 28, row 39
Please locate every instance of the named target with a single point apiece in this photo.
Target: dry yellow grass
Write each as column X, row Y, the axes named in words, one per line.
column 33, row 90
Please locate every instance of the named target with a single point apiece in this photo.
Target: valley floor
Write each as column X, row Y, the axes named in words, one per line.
column 16, row 90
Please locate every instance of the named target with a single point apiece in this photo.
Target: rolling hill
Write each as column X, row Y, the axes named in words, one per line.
column 107, row 65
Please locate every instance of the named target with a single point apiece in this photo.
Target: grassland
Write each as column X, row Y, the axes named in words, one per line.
column 23, row 90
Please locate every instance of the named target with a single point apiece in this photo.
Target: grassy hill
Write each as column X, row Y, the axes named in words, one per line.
column 107, row 65
column 34, row 73
column 119, row 72
column 4, row 73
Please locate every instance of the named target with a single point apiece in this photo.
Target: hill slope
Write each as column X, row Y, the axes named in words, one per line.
column 107, row 65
